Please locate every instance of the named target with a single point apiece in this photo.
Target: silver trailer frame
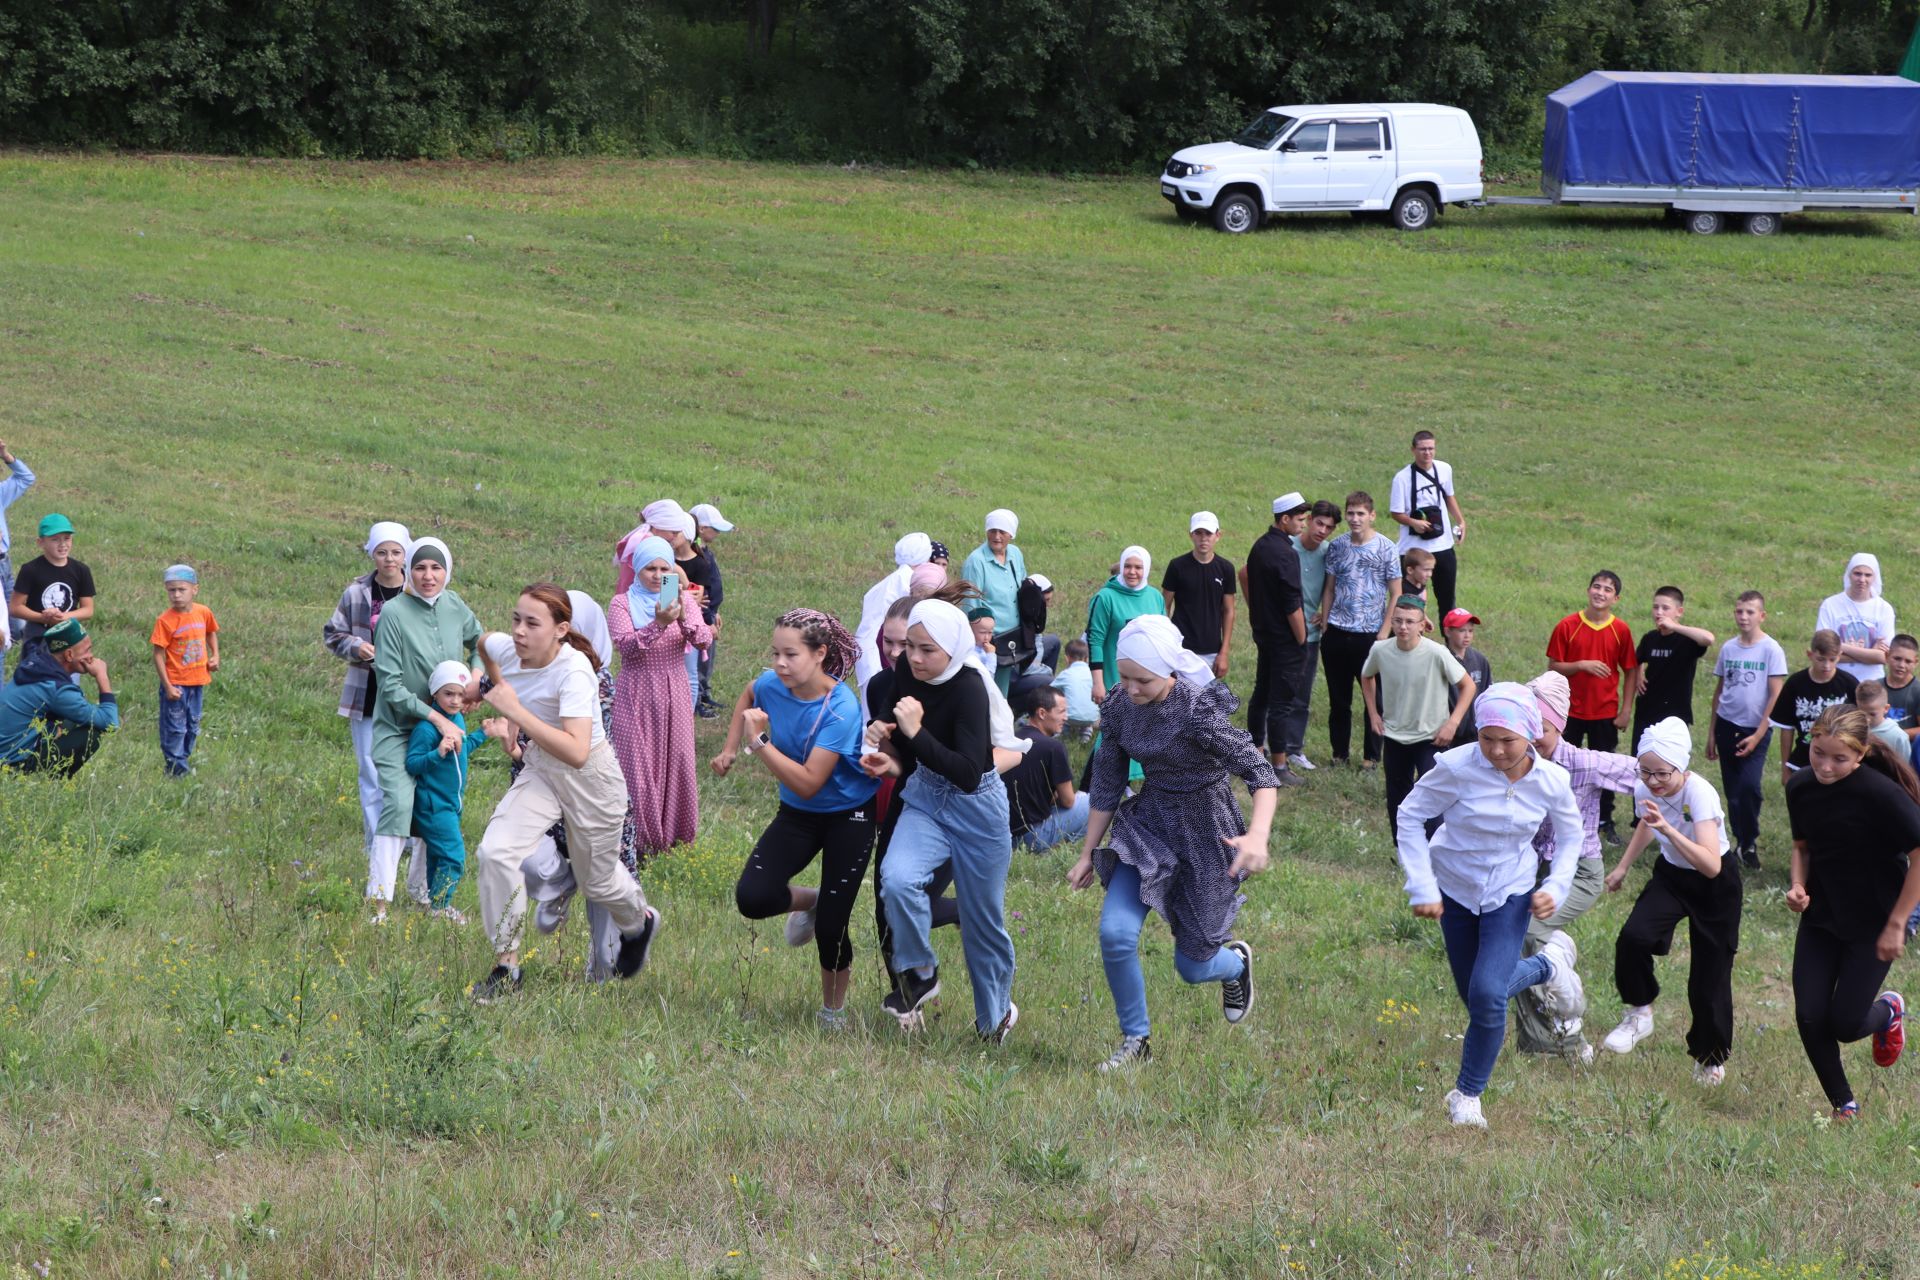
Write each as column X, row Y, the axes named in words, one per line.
column 1704, row 210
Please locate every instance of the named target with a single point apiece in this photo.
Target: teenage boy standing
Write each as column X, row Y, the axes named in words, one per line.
column 1594, row 650
column 1422, row 502
column 1322, row 520
column 1669, row 655
column 1748, row 677
column 1199, row 590
column 1271, row 581
column 1363, row 578
column 1405, row 682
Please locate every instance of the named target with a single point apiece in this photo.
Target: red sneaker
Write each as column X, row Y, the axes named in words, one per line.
column 1888, row 1044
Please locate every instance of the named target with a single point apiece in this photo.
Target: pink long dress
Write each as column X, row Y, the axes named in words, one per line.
column 653, row 724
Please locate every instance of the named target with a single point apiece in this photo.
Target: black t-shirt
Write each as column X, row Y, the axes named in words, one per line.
column 1273, row 584
column 1199, row 592
column 1801, row 702
column 701, row 571
column 380, row 595
column 1667, row 663
column 48, row 586
column 1858, row 832
column 1031, row 783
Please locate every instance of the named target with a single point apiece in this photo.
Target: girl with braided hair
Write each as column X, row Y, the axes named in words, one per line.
column 803, row 722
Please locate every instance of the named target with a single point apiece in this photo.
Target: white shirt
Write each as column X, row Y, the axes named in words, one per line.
column 1697, row 802
column 564, row 689
column 1400, row 501
column 1861, row 622
column 1483, row 852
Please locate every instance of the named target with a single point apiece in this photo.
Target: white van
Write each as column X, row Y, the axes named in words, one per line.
column 1407, row 159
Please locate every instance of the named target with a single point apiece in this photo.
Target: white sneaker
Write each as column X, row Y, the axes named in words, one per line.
column 1300, row 762
column 1464, row 1110
column 1562, row 996
column 452, row 915
column 799, row 928
column 1584, row 1054
column 1636, row 1026
column 1710, row 1076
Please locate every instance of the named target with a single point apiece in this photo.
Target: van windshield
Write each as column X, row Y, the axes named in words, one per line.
column 1263, row 129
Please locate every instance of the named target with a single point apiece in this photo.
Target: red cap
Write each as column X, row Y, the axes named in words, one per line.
column 1458, row 618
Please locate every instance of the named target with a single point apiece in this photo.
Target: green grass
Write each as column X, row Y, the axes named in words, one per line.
column 211, row 1066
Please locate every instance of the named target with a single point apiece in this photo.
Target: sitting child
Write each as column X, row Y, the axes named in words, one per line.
column 440, row 787
column 1076, row 681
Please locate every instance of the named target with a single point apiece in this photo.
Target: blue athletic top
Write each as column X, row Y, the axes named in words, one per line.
column 800, row 726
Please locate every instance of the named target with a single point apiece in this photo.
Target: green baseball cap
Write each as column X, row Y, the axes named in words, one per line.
column 55, row 523
column 63, row 635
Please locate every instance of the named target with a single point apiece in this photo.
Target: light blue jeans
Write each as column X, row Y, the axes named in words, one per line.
column 693, row 675
column 939, row 821
column 1122, row 917
column 1060, row 825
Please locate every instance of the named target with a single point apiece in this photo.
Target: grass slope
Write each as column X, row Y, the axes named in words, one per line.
column 210, row 1065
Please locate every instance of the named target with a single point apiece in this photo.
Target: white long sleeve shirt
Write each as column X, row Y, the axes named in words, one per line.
column 16, row 482
column 1483, row 852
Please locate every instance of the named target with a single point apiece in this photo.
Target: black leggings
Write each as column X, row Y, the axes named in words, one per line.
column 843, row 841
column 1836, row 1000
column 1711, row 907
column 1343, row 653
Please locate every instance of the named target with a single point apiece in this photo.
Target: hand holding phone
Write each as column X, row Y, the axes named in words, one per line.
column 669, row 589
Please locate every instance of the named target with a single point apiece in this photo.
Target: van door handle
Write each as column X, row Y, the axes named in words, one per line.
column 1376, row 157
column 1320, row 158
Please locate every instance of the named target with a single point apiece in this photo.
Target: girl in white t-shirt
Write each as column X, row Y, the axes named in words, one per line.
column 1694, row 881
column 545, row 680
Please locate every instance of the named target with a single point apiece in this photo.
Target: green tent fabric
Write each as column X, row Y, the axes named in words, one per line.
column 1910, row 68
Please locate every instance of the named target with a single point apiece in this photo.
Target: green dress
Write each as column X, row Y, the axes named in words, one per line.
column 412, row 639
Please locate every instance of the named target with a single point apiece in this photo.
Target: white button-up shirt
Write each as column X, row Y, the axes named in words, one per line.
column 1483, row 852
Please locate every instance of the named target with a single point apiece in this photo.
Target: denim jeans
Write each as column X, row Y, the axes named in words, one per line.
column 14, row 625
column 1296, row 714
column 1484, row 953
column 1060, row 825
column 180, row 725
column 938, row 822
column 693, row 675
column 1122, row 916
column 1740, row 779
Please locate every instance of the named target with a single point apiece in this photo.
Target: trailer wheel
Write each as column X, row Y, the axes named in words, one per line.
column 1704, row 222
column 1762, row 224
column 1236, row 214
column 1413, row 210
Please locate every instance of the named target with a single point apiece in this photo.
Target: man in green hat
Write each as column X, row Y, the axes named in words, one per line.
column 52, row 587
column 48, row 725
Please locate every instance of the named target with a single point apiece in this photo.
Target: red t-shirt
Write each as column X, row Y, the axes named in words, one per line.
column 1577, row 640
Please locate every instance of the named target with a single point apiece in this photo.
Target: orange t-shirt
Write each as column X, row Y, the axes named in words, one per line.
column 184, row 637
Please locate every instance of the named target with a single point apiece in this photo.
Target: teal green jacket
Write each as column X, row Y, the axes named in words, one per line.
column 440, row 784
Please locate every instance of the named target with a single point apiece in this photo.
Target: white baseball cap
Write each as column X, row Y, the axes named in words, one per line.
column 1287, row 503
column 1204, row 520
column 709, row 515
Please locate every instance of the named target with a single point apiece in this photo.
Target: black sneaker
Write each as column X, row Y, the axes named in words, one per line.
column 1133, row 1051
column 1609, row 834
column 497, row 985
column 706, row 711
column 1750, row 857
column 911, row 992
column 909, row 1019
column 1236, row 994
column 633, row 949
column 1000, row 1033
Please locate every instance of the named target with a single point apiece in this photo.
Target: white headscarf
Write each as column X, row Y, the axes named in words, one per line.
column 448, row 673
column 909, row 553
column 1001, row 518
column 1154, row 642
column 413, row 549
column 670, row 517
column 914, row 549
column 1145, row 557
column 949, row 628
column 387, row 531
column 590, row 620
column 1670, row 739
column 1868, row 559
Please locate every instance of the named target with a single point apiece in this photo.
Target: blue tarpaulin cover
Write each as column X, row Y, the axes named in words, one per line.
column 1687, row 129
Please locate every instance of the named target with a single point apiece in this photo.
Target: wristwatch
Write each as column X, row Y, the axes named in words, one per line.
column 755, row 743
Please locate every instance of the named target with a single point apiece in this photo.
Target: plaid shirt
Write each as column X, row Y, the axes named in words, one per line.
column 350, row 626
column 1591, row 773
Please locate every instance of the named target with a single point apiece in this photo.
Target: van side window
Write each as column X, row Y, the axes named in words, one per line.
column 1358, row 135
column 1311, row 137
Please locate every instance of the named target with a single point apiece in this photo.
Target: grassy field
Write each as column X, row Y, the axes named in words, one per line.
column 210, row 1065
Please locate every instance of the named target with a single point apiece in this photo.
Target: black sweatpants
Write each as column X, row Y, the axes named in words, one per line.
column 1446, row 571
column 944, row 909
column 1711, row 907
column 1601, row 735
column 1836, row 1000
column 1276, row 681
column 843, row 841
column 1404, row 763
column 1343, row 653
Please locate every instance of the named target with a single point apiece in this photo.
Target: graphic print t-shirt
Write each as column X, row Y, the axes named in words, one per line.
column 1667, row 665
column 1802, row 701
column 48, row 586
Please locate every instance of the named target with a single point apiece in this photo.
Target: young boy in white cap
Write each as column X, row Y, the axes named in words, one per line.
column 709, row 524
column 1199, row 590
column 440, row 787
column 186, row 653
column 1694, row 881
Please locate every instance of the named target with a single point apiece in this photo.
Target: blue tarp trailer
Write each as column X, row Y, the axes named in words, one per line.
column 1708, row 147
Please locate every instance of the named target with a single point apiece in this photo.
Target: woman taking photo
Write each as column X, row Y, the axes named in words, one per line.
column 938, row 736
column 1180, row 846
column 803, row 723
column 417, row 632
column 652, row 702
column 545, row 680
column 1855, row 814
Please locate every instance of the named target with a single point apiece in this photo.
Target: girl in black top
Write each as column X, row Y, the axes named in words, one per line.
column 1855, row 880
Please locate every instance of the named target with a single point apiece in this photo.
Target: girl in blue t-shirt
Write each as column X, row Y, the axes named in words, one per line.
column 806, row 726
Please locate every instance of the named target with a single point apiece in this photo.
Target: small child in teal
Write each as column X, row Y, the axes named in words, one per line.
column 440, row 788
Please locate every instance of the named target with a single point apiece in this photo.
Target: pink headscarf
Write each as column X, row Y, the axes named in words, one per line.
column 665, row 514
column 927, row 577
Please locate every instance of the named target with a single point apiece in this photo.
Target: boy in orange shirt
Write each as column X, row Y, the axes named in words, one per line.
column 186, row 653
column 1594, row 650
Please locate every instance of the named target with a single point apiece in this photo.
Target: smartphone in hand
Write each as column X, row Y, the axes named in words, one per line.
column 669, row 589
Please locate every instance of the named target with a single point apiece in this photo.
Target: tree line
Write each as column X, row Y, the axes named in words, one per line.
column 1070, row 84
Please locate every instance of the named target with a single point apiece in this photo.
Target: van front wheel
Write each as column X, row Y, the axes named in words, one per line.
column 1413, row 210
column 1236, row 214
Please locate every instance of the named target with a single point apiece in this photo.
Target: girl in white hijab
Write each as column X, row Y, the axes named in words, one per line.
column 1862, row 619
column 938, row 736
column 909, row 553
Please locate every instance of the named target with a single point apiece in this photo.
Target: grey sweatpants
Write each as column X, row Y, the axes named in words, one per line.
column 1533, row 1030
